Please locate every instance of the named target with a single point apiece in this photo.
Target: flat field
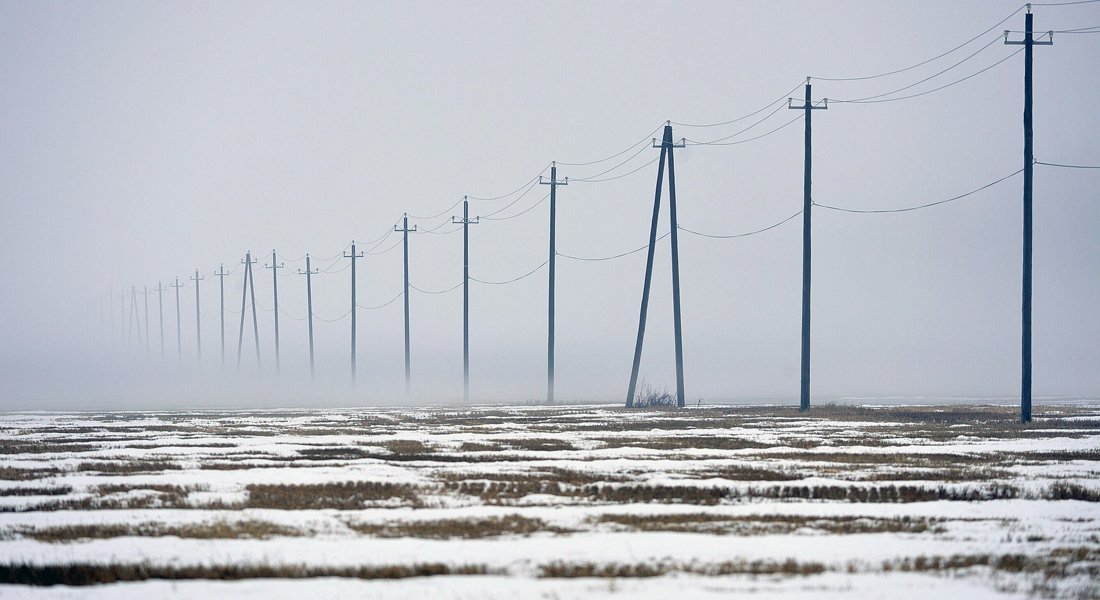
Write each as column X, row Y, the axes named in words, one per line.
column 563, row 502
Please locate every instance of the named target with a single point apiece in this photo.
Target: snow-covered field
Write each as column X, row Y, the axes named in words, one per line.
column 563, row 502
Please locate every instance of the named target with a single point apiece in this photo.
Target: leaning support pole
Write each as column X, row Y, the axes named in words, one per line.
column 648, row 273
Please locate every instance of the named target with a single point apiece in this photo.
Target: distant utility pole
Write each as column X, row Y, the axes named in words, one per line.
column 553, row 183
column 160, row 310
column 405, row 241
column 807, row 204
column 135, row 320
column 111, row 313
column 466, row 222
column 1029, row 162
column 179, row 340
column 148, row 330
column 274, row 266
column 221, row 301
column 352, row 256
column 198, row 318
column 309, row 273
column 249, row 286
column 667, row 145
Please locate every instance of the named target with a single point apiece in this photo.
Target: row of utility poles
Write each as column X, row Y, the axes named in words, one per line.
column 666, row 161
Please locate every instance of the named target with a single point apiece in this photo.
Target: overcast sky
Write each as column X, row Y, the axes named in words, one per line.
column 140, row 141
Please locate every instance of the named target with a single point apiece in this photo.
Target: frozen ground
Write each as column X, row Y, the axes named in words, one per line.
column 565, row 502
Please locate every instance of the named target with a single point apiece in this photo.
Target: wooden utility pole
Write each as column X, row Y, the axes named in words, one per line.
column 667, row 146
column 221, row 302
column 309, row 273
column 466, row 222
column 1029, row 162
column 148, row 331
column 353, row 256
column 275, row 266
column 405, row 242
column 160, row 289
column 553, row 183
column 807, row 204
column 198, row 318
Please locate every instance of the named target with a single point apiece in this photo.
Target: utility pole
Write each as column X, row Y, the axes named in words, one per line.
column 667, row 146
column 275, row 290
column 148, row 330
column 309, row 273
column 352, row 256
column 405, row 242
column 111, row 313
column 553, row 183
column 160, row 289
column 198, row 318
column 466, row 222
column 221, row 300
column 1029, row 162
column 179, row 341
column 249, row 286
column 807, row 204
column 134, row 318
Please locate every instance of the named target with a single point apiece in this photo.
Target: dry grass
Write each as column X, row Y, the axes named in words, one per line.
column 91, row 574
column 53, row 490
column 349, row 495
column 128, row 467
column 457, row 528
column 788, row 568
column 260, row 530
column 766, row 524
column 16, row 474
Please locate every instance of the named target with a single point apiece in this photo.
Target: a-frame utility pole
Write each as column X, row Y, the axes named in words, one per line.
column 405, row 242
column 179, row 341
column 807, row 204
column 553, row 183
column 667, row 146
column 111, row 314
column 198, row 318
column 135, row 319
column 148, row 330
column 466, row 222
column 1029, row 163
column 249, row 286
column 221, row 302
column 353, row 256
column 160, row 289
column 275, row 266
column 309, row 273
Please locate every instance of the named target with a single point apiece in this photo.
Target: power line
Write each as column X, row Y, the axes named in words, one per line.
column 514, row 279
column 1039, row 162
column 747, row 140
column 521, row 213
column 384, row 304
column 739, row 235
column 424, row 291
column 530, row 185
column 993, row 41
column 924, row 62
column 924, row 93
column 617, row 176
column 614, row 256
column 930, row 204
column 647, row 137
column 737, row 133
column 743, row 117
column 501, row 197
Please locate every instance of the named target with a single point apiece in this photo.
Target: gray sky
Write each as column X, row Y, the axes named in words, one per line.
column 142, row 140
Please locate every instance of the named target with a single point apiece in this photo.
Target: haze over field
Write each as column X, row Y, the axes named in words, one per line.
column 142, row 140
